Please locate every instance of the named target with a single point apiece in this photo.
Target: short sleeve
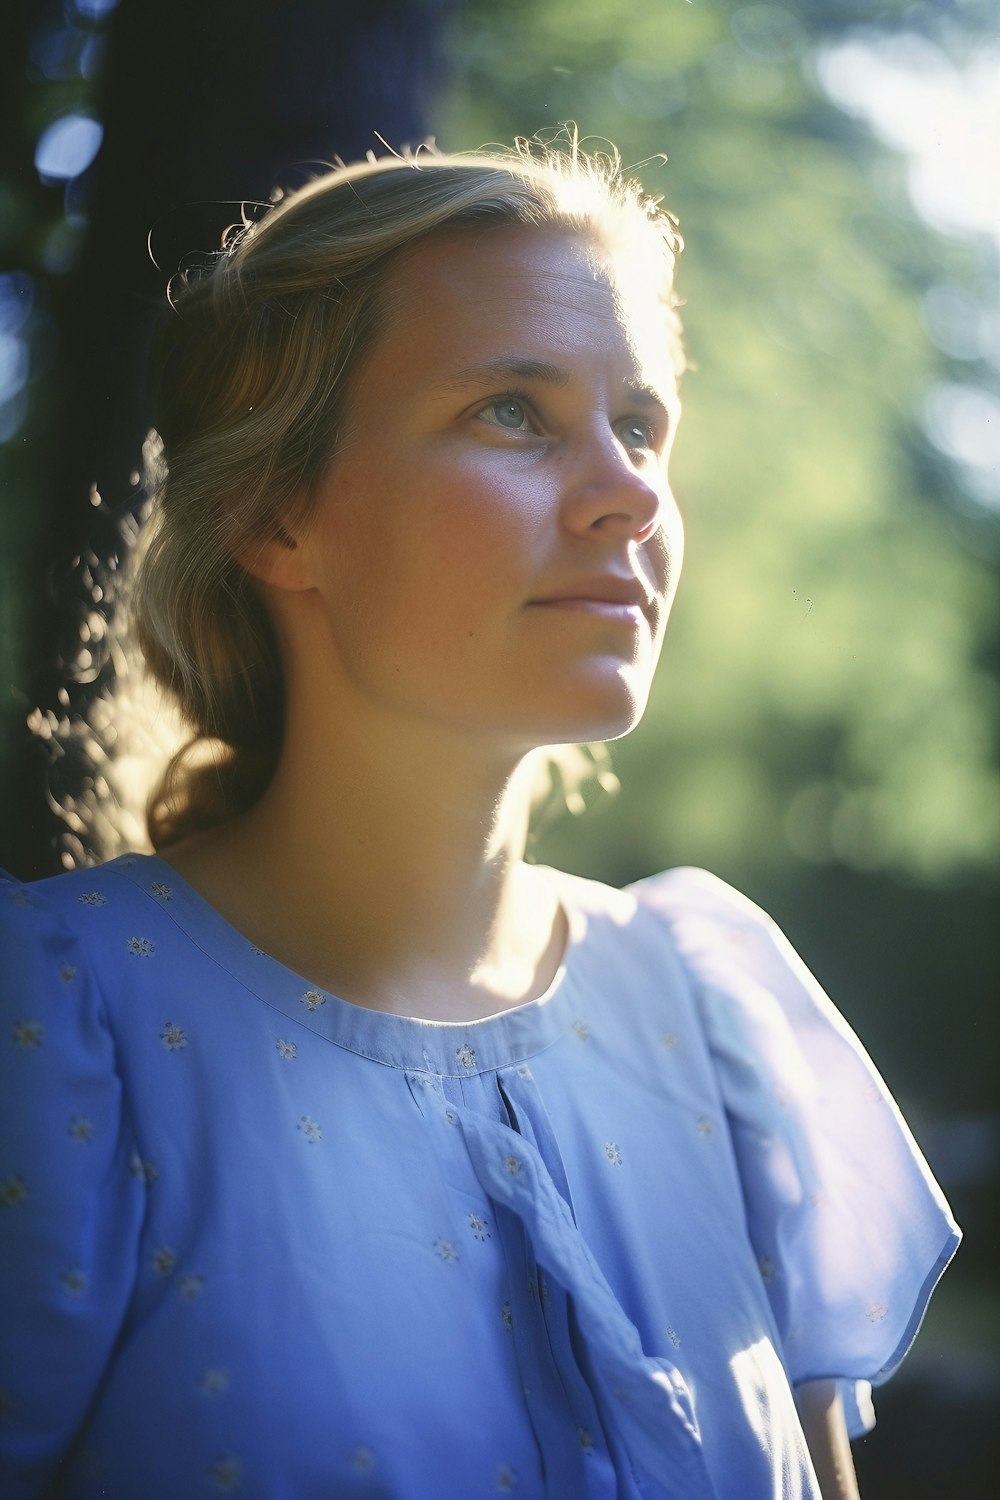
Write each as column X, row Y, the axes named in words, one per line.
column 850, row 1228
column 70, row 1201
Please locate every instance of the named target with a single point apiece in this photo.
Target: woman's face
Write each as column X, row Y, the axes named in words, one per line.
column 496, row 546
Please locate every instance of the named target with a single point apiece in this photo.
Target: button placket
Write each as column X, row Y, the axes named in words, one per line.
column 643, row 1401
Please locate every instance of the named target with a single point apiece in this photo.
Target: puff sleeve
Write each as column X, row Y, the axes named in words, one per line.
column 71, row 1202
column 850, row 1229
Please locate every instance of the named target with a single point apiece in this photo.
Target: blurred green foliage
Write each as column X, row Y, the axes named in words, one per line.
column 829, row 691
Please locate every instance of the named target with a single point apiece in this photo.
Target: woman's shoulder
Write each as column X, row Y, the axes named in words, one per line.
column 72, row 913
column 697, row 910
column 680, row 889
column 687, row 891
column 723, row 936
column 63, row 897
column 687, row 926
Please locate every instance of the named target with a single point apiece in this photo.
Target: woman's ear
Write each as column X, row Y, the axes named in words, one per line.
column 278, row 561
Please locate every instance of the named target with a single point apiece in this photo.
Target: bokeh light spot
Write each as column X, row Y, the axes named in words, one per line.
column 964, row 422
column 67, row 147
column 94, row 10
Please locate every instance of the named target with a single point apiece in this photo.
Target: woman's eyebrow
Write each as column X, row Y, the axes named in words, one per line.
column 650, row 397
column 507, row 367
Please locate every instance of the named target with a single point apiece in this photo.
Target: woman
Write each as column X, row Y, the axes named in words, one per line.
column 350, row 1154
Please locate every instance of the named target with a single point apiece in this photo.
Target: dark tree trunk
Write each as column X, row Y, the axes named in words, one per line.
column 203, row 105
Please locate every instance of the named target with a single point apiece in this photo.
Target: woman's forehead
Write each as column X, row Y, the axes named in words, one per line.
column 478, row 297
column 459, row 267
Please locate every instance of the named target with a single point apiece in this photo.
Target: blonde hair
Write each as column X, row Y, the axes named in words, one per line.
column 252, row 373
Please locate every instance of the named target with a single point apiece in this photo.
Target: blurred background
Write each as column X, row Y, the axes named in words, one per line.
column 825, row 729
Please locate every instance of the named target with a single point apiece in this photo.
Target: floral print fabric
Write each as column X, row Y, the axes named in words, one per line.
column 258, row 1240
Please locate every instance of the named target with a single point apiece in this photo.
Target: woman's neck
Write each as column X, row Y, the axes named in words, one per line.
column 391, row 876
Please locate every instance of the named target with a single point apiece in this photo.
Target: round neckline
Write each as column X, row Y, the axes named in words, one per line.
column 448, row 1048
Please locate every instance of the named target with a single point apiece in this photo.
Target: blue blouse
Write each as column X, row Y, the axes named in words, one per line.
column 259, row 1240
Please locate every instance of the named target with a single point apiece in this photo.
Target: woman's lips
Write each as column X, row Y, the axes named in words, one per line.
column 626, row 614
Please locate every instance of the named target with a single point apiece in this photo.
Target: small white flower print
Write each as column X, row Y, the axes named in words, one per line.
column 286, row 1049
column 466, row 1055
column 12, row 1191
column 480, row 1227
column 75, row 1282
column 582, row 1030
column 81, row 1129
column 312, row 1000
column 214, row 1382
column 226, row 1473
column 163, row 892
column 613, row 1154
column 512, row 1164
column 875, row 1312
column 362, row 1460
column 447, row 1251
column 705, row 1126
column 173, row 1037
column 190, row 1287
column 507, row 1316
column 163, row 1260
column 506, row 1479
column 668, row 1040
column 92, row 898
column 28, row 1034
column 311, row 1129
column 140, row 947
column 674, row 1337
column 147, row 1170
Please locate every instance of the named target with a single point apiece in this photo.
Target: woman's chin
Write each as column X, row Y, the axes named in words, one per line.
column 593, row 716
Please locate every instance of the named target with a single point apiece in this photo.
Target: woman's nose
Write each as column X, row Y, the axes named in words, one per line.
column 613, row 491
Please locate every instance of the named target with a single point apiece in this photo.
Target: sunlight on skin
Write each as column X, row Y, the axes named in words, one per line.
column 489, row 570
column 822, row 1415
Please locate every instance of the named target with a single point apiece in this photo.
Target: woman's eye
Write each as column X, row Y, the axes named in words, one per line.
column 634, row 434
column 507, row 412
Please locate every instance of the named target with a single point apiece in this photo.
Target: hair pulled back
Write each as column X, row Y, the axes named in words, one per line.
column 252, row 374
